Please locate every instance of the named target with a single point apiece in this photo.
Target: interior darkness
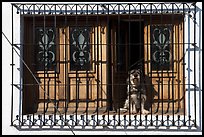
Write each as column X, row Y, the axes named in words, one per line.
column 136, row 51
column 129, row 53
column 132, row 40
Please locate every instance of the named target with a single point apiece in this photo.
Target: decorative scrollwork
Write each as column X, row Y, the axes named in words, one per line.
column 46, row 41
column 109, row 8
column 80, row 48
column 111, row 123
column 161, row 54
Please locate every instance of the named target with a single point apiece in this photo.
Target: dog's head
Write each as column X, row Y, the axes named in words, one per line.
column 135, row 75
column 135, row 72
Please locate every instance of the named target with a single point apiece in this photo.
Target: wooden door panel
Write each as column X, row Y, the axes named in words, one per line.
column 58, row 83
column 168, row 83
column 81, row 89
column 89, row 84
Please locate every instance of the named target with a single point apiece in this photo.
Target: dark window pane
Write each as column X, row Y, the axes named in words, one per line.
column 46, row 49
column 80, row 48
column 161, row 55
column 121, row 51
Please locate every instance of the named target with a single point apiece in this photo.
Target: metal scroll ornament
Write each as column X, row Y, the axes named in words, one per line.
column 46, row 52
column 161, row 54
column 80, row 48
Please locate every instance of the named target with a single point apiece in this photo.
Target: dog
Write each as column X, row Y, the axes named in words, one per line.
column 136, row 92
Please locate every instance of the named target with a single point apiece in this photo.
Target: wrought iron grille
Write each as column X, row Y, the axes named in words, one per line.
column 75, row 59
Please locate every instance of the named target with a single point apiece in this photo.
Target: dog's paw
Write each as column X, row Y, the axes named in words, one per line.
column 145, row 111
column 134, row 112
column 123, row 110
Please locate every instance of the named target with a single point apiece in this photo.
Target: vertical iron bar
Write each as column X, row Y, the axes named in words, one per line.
column 169, row 98
column 78, row 92
column 77, row 79
column 87, row 96
column 95, row 49
column 44, row 63
column 34, row 41
column 159, row 89
column 189, row 66
column 183, row 87
column 140, row 67
column 109, row 70
column 13, row 64
column 101, row 67
column 55, row 70
column 162, row 84
column 179, row 63
column 149, row 54
column 97, row 37
column 118, row 45
column 199, row 69
column 195, row 85
column 87, row 75
column 23, row 9
column 129, row 51
column 12, row 61
column 100, row 61
column 140, row 57
column 22, row 55
column 66, row 63
column 173, row 44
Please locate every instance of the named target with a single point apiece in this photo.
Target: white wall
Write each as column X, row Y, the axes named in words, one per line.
column 6, row 78
column 190, row 67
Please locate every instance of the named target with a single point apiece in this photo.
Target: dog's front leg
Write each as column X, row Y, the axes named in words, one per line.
column 133, row 103
column 143, row 110
column 134, row 110
column 126, row 105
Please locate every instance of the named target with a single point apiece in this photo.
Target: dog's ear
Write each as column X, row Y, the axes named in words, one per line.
column 139, row 70
column 132, row 71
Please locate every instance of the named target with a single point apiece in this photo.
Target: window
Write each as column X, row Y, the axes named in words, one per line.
column 45, row 48
column 160, row 50
column 80, row 56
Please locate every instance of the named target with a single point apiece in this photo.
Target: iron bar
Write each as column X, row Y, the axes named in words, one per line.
column 149, row 53
column 66, row 46
column 129, row 64
column 162, row 80
column 118, row 45
column 33, row 42
column 172, row 35
column 77, row 74
column 178, row 69
column 184, row 100
column 97, row 64
column 141, row 67
column 12, row 68
column 195, row 85
column 55, row 71
column 109, row 69
column 87, row 76
column 44, row 67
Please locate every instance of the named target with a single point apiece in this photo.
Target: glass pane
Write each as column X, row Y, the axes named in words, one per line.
column 46, row 49
column 80, row 48
column 160, row 49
